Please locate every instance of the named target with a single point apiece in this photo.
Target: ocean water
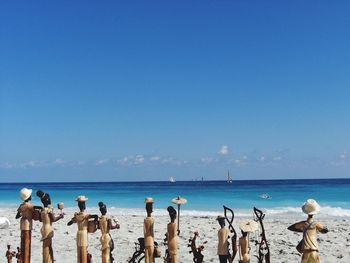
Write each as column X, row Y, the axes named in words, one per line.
column 204, row 197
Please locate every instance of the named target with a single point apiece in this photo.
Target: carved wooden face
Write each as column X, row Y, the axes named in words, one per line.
column 81, row 206
column 149, row 208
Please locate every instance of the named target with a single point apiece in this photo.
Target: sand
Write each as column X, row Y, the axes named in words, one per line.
column 334, row 246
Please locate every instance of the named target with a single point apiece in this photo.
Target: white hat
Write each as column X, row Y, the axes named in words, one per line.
column 149, row 200
column 81, row 198
column 248, row 226
column 25, row 193
column 311, row 207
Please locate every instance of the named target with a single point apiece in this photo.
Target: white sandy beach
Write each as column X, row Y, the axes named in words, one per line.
column 334, row 246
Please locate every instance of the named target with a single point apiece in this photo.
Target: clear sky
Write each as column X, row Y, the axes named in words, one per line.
column 144, row 90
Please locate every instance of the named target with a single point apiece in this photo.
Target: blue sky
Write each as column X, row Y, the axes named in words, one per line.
column 144, row 90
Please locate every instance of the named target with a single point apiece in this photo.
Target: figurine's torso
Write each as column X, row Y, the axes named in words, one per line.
column 105, row 237
column 26, row 210
column 81, row 219
column 148, row 231
column 223, row 235
column 172, row 243
column 46, row 229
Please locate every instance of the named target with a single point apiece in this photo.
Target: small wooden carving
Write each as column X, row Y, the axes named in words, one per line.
column 308, row 245
column 81, row 219
column 18, row 255
column 139, row 253
column 47, row 217
column 10, row 254
column 105, row 225
column 247, row 226
column 149, row 232
column 197, row 251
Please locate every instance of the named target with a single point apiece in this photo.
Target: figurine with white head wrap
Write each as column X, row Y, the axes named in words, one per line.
column 308, row 245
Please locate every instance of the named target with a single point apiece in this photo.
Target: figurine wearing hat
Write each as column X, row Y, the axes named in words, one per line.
column 223, row 236
column 149, row 232
column 308, row 246
column 82, row 220
column 247, row 226
column 26, row 212
column 105, row 225
column 47, row 217
column 172, row 234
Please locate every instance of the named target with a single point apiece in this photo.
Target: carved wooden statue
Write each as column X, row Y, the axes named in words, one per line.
column 26, row 212
column 247, row 226
column 149, row 232
column 197, row 251
column 105, row 225
column 82, row 220
column 223, row 244
column 47, row 217
column 172, row 236
column 18, row 255
column 308, row 246
column 9, row 254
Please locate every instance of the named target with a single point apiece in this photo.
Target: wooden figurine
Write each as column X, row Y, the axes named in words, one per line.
column 139, row 253
column 223, row 244
column 308, row 245
column 9, row 254
column 18, row 255
column 234, row 247
column 26, row 212
column 105, row 225
column 47, row 217
column 197, row 251
column 82, row 220
column 172, row 235
column 247, row 226
column 263, row 250
column 149, row 231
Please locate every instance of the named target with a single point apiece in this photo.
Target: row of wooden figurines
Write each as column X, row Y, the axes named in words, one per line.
column 89, row 223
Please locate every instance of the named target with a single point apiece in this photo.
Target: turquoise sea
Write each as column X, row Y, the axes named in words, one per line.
column 204, row 197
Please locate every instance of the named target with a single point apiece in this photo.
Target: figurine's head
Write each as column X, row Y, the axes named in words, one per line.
column 172, row 213
column 26, row 194
column 8, row 246
column 18, row 249
column 44, row 197
column 103, row 208
column 221, row 220
column 81, row 199
column 244, row 234
column 149, row 205
column 311, row 208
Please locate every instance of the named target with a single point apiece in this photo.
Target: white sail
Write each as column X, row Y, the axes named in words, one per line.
column 172, row 179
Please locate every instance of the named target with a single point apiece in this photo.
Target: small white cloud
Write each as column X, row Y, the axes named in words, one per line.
column 244, row 157
column 139, row 159
column 207, row 159
column 224, row 150
column 277, row 158
column 262, row 158
column 59, row 161
column 154, row 158
column 342, row 156
column 102, row 161
column 7, row 165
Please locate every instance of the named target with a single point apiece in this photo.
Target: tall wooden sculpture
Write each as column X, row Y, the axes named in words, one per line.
column 308, row 245
column 105, row 225
column 148, row 232
column 82, row 220
column 172, row 235
column 234, row 247
column 263, row 245
column 9, row 254
column 47, row 217
column 26, row 212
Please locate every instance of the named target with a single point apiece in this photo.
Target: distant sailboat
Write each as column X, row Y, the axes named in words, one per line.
column 172, row 179
column 229, row 179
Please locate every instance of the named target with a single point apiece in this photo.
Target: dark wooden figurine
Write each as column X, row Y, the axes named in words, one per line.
column 105, row 225
column 197, row 251
column 82, row 220
column 10, row 254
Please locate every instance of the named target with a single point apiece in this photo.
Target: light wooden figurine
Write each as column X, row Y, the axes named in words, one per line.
column 9, row 254
column 26, row 212
column 308, row 245
column 105, row 225
column 148, row 232
column 82, row 220
column 223, row 244
column 47, row 217
column 247, row 226
column 172, row 235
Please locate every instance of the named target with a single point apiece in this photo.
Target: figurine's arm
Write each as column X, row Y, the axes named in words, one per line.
column 322, row 229
column 54, row 218
column 111, row 226
column 18, row 215
column 73, row 220
column 36, row 207
column 95, row 217
column 297, row 227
